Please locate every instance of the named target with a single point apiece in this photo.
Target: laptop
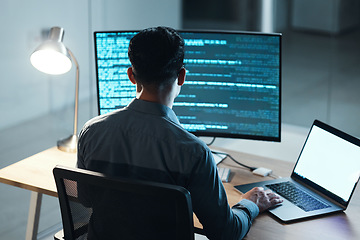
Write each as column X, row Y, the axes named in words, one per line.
column 323, row 179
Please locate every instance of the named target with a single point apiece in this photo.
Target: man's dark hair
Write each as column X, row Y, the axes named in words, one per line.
column 156, row 55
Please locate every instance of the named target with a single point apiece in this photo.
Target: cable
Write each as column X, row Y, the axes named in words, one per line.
column 212, row 141
column 274, row 176
column 239, row 163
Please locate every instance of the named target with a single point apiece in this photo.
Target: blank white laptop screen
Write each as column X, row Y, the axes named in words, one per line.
column 330, row 162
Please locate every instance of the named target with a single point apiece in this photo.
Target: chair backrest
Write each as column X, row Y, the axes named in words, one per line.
column 94, row 206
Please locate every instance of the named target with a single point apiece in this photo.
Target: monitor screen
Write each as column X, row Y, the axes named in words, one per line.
column 232, row 87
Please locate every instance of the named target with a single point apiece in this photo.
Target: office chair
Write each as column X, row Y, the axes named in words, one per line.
column 94, row 206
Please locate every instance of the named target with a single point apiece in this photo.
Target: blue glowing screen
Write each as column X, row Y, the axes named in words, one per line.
column 232, row 87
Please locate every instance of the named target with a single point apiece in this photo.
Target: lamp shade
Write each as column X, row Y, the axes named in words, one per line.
column 52, row 57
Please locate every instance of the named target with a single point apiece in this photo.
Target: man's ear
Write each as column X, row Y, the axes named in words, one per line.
column 131, row 75
column 181, row 77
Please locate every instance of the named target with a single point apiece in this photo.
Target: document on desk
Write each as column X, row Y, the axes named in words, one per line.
column 218, row 157
column 224, row 173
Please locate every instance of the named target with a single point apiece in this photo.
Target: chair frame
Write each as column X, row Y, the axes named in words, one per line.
column 184, row 213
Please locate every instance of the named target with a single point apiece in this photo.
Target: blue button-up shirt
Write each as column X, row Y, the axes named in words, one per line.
column 146, row 141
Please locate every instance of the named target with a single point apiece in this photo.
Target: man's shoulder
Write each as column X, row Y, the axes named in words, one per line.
column 108, row 117
column 102, row 121
column 187, row 140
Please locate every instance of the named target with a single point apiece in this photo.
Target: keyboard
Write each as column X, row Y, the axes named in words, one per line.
column 224, row 174
column 297, row 196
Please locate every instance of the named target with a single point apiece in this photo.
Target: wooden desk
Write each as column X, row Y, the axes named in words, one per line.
column 35, row 174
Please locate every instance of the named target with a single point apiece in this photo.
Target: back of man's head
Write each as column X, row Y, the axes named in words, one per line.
column 156, row 55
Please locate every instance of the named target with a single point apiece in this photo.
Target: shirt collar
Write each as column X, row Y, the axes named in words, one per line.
column 154, row 109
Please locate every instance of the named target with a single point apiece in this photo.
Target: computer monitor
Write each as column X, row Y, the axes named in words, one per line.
column 232, row 87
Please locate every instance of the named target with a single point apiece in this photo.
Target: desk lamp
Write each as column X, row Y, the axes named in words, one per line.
column 52, row 57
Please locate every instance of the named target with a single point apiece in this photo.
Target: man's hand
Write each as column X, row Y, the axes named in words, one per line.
column 263, row 199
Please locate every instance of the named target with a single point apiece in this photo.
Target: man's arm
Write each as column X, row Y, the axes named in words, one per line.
column 83, row 189
column 211, row 206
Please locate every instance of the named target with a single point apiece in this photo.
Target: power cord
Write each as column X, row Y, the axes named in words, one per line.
column 212, row 141
column 260, row 171
column 237, row 162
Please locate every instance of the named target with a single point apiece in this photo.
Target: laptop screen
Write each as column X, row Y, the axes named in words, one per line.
column 330, row 159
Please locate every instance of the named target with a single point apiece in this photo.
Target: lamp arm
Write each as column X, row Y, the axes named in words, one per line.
column 76, row 93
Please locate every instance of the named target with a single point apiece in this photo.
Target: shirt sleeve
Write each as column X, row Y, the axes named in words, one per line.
column 80, row 149
column 211, row 206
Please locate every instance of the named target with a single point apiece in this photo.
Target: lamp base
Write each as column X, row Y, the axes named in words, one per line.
column 68, row 144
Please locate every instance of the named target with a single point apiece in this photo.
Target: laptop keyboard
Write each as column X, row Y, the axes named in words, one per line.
column 297, row 196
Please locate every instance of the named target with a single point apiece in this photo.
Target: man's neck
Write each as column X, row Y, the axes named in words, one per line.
column 162, row 97
column 156, row 100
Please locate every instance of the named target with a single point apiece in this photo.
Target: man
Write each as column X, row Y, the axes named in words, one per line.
column 145, row 140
